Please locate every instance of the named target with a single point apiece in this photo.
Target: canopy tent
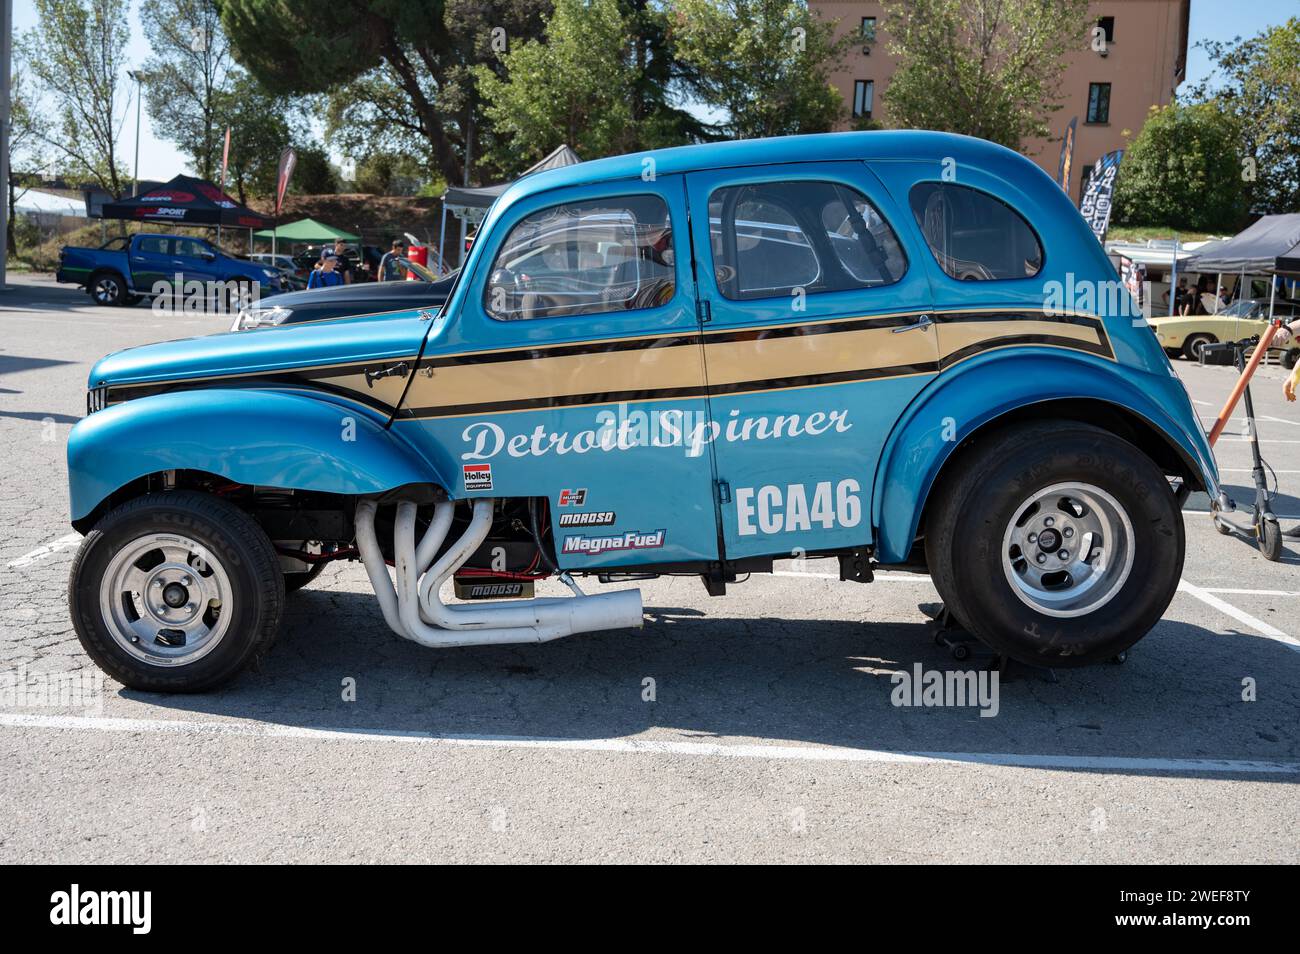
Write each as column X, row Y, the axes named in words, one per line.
column 186, row 200
column 470, row 204
column 1254, row 251
column 306, row 230
column 1289, row 261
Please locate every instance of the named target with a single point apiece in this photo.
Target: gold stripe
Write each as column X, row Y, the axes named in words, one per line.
column 956, row 335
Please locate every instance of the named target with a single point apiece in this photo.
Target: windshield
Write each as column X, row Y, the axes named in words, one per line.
column 1239, row 309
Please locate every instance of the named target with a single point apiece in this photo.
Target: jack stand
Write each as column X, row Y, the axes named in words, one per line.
column 962, row 645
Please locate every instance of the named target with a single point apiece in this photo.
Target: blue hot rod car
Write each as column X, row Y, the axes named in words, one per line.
column 691, row 361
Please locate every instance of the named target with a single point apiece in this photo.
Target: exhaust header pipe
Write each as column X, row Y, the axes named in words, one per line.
column 414, row 609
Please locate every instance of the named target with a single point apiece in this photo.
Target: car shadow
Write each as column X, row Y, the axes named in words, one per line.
column 769, row 680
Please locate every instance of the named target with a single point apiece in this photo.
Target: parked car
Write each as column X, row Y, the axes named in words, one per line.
column 1242, row 319
column 124, row 270
column 363, row 260
column 628, row 380
column 428, row 291
column 292, row 277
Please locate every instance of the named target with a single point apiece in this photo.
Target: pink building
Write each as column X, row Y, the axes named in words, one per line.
column 1110, row 93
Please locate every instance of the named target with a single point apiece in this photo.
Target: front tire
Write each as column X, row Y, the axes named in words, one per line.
column 1056, row 543
column 176, row 592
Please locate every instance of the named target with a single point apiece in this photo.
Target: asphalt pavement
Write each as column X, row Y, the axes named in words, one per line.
column 759, row 726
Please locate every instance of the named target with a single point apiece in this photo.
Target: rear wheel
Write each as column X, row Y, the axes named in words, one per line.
column 1056, row 543
column 107, row 288
column 1289, row 359
column 1194, row 343
column 176, row 592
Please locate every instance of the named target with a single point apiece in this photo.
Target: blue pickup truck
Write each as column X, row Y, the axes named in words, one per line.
column 126, row 269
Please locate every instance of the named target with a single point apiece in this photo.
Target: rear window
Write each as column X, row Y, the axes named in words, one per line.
column 974, row 236
column 770, row 238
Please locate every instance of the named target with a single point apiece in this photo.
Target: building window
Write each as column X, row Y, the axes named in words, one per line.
column 869, row 29
column 1107, row 25
column 1098, row 103
column 864, row 91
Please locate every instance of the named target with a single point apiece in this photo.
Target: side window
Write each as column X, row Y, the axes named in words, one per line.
column 584, row 258
column 975, row 237
column 154, row 245
column 773, row 237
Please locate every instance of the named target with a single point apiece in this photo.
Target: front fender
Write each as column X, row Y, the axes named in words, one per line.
column 966, row 397
column 264, row 437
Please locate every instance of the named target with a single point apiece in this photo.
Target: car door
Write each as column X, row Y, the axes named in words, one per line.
column 568, row 366
column 817, row 335
column 196, row 260
column 151, row 262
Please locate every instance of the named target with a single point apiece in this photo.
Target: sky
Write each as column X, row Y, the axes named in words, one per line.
column 1211, row 19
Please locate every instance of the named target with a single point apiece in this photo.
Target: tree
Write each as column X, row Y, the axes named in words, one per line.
column 23, row 128
column 76, row 59
column 313, row 174
column 1183, row 170
column 1259, row 86
column 986, row 68
column 406, row 67
column 189, row 74
column 261, row 126
column 765, row 63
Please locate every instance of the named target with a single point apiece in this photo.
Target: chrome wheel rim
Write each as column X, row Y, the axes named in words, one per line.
column 165, row 599
column 105, row 289
column 1068, row 549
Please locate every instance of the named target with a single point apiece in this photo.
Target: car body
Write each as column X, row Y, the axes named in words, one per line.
column 1246, row 318
column 126, row 269
column 341, row 301
column 690, row 361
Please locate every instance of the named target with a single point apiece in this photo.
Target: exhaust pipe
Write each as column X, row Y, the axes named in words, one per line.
column 414, row 610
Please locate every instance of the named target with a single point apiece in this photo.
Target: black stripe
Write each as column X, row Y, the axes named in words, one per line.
column 302, row 381
column 561, row 351
column 1006, row 340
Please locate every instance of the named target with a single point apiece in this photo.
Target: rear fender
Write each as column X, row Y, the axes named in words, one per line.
column 262, row 437
column 976, row 392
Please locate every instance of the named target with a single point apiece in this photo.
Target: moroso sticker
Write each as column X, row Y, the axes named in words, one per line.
column 589, row 518
column 573, row 498
column 478, row 476
column 163, row 195
column 632, row 540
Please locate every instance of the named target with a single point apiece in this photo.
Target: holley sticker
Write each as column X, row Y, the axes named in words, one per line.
column 478, row 476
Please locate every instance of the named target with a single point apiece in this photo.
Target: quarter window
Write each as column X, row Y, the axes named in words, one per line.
column 770, row 238
column 584, row 258
column 973, row 236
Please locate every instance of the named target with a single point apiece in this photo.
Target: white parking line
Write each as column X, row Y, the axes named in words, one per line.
column 54, row 546
column 1241, row 616
column 804, row 753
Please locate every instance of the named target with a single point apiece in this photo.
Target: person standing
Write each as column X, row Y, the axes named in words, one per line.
column 343, row 267
column 390, row 267
column 327, row 274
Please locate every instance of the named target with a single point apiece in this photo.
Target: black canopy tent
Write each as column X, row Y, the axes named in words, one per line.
column 1262, row 249
column 186, row 200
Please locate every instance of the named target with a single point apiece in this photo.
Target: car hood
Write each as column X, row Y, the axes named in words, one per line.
column 423, row 292
column 264, row 351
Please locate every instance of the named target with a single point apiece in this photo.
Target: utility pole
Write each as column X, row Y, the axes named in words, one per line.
column 139, row 94
column 6, row 51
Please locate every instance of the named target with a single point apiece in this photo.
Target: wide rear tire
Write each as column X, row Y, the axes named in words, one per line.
column 1014, row 502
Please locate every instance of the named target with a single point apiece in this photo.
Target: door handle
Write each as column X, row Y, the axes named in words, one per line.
column 923, row 323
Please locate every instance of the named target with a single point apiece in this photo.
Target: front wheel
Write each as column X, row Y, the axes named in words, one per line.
column 1056, row 543
column 176, row 592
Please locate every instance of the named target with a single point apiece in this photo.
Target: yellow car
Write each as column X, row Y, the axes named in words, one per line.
column 1242, row 319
